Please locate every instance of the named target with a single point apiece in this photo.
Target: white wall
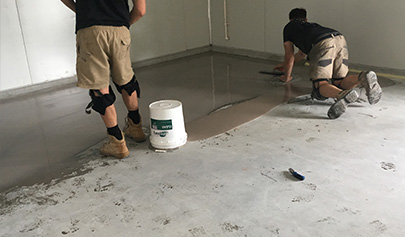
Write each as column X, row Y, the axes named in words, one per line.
column 373, row 29
column 170, row 27
column 38, row 40
column 14, row 70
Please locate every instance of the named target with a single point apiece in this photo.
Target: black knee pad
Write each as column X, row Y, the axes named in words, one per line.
column 99, row 102
column 130, row 87
column 315, row 94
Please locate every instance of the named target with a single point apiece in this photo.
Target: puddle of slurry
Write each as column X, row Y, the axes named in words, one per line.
column 230, row 117
column 220, row 92
column 236, row 114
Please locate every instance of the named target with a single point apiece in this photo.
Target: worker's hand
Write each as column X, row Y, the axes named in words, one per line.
column 284, row 78
column 279, row 67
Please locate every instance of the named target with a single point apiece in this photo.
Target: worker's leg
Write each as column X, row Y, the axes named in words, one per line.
column 103, row 103
column 93, row 73
column 347, row 83
column 342, row 80
column 328, row 90
column 130, row 93
column 109, row 116
column 126, row 83
column 367, row 80
column 330, row 63
column 322, row 60
column 323, row 89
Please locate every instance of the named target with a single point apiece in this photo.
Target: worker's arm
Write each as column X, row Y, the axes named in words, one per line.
column 288, row 63
column 71, row 4
column 137, row 11
column 299, row 56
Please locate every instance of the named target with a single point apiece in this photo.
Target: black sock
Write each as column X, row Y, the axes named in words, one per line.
column 115, row 131
column 134, row 116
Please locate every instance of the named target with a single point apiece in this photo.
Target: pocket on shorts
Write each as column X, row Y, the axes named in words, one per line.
column 126, row 41
column 124, row 47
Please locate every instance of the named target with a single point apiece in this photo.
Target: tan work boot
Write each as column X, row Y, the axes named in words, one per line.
column 133, row 130
column 115, row 147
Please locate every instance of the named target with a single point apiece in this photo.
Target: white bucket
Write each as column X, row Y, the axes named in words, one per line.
column 167, row 124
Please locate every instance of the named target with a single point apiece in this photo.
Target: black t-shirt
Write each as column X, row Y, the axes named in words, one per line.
column 101, row 12
column 305, row 34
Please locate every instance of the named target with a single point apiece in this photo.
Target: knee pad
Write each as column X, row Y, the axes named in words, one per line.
column 130, row 87
column 315, row 94
column 99, row 102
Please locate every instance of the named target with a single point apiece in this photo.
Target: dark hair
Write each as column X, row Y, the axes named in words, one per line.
column 298, row 14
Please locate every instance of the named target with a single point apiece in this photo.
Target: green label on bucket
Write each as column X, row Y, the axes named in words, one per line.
column 161, row 124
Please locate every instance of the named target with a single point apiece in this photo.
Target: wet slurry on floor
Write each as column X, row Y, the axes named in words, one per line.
column 218, row 92
column 40, row 131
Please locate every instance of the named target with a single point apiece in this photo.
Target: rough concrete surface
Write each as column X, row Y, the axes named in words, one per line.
column 237, row 183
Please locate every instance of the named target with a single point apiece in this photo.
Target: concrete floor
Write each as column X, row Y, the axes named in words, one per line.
column 231, row 179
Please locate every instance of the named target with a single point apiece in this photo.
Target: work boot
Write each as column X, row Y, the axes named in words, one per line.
column 115, row 147
column 133, row 130
column 368, row 80
column 339, row 107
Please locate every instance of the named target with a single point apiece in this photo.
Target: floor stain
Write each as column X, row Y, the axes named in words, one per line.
column 33, row 226
column 268, row 176
column 28, row 195
column 388, row 166
column 228, row 227
column 162, row 220
column 311, row 186
column 381, row 227
column 103, row 188
column 303, row 198
column 73, row 227
column 127, row 211
column 350, row 211
column 328, row 219
column 276, row 231
column 197, row 231
column 311, row 139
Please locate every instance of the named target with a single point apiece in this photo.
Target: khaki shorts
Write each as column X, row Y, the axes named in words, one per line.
column 329, row 58
column 103, row 51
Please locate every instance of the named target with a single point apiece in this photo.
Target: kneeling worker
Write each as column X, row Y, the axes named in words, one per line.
column 327, row 51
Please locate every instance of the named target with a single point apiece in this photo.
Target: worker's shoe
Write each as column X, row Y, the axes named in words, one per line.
column 133, row 130
column 368, row 80
column 115, row 147
column 339, row 107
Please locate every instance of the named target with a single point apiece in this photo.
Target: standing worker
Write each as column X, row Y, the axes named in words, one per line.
column 103, row 44
column 328, row 56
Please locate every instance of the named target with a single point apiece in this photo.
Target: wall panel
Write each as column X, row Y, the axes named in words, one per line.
column 14, row 70
column 49, row 39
